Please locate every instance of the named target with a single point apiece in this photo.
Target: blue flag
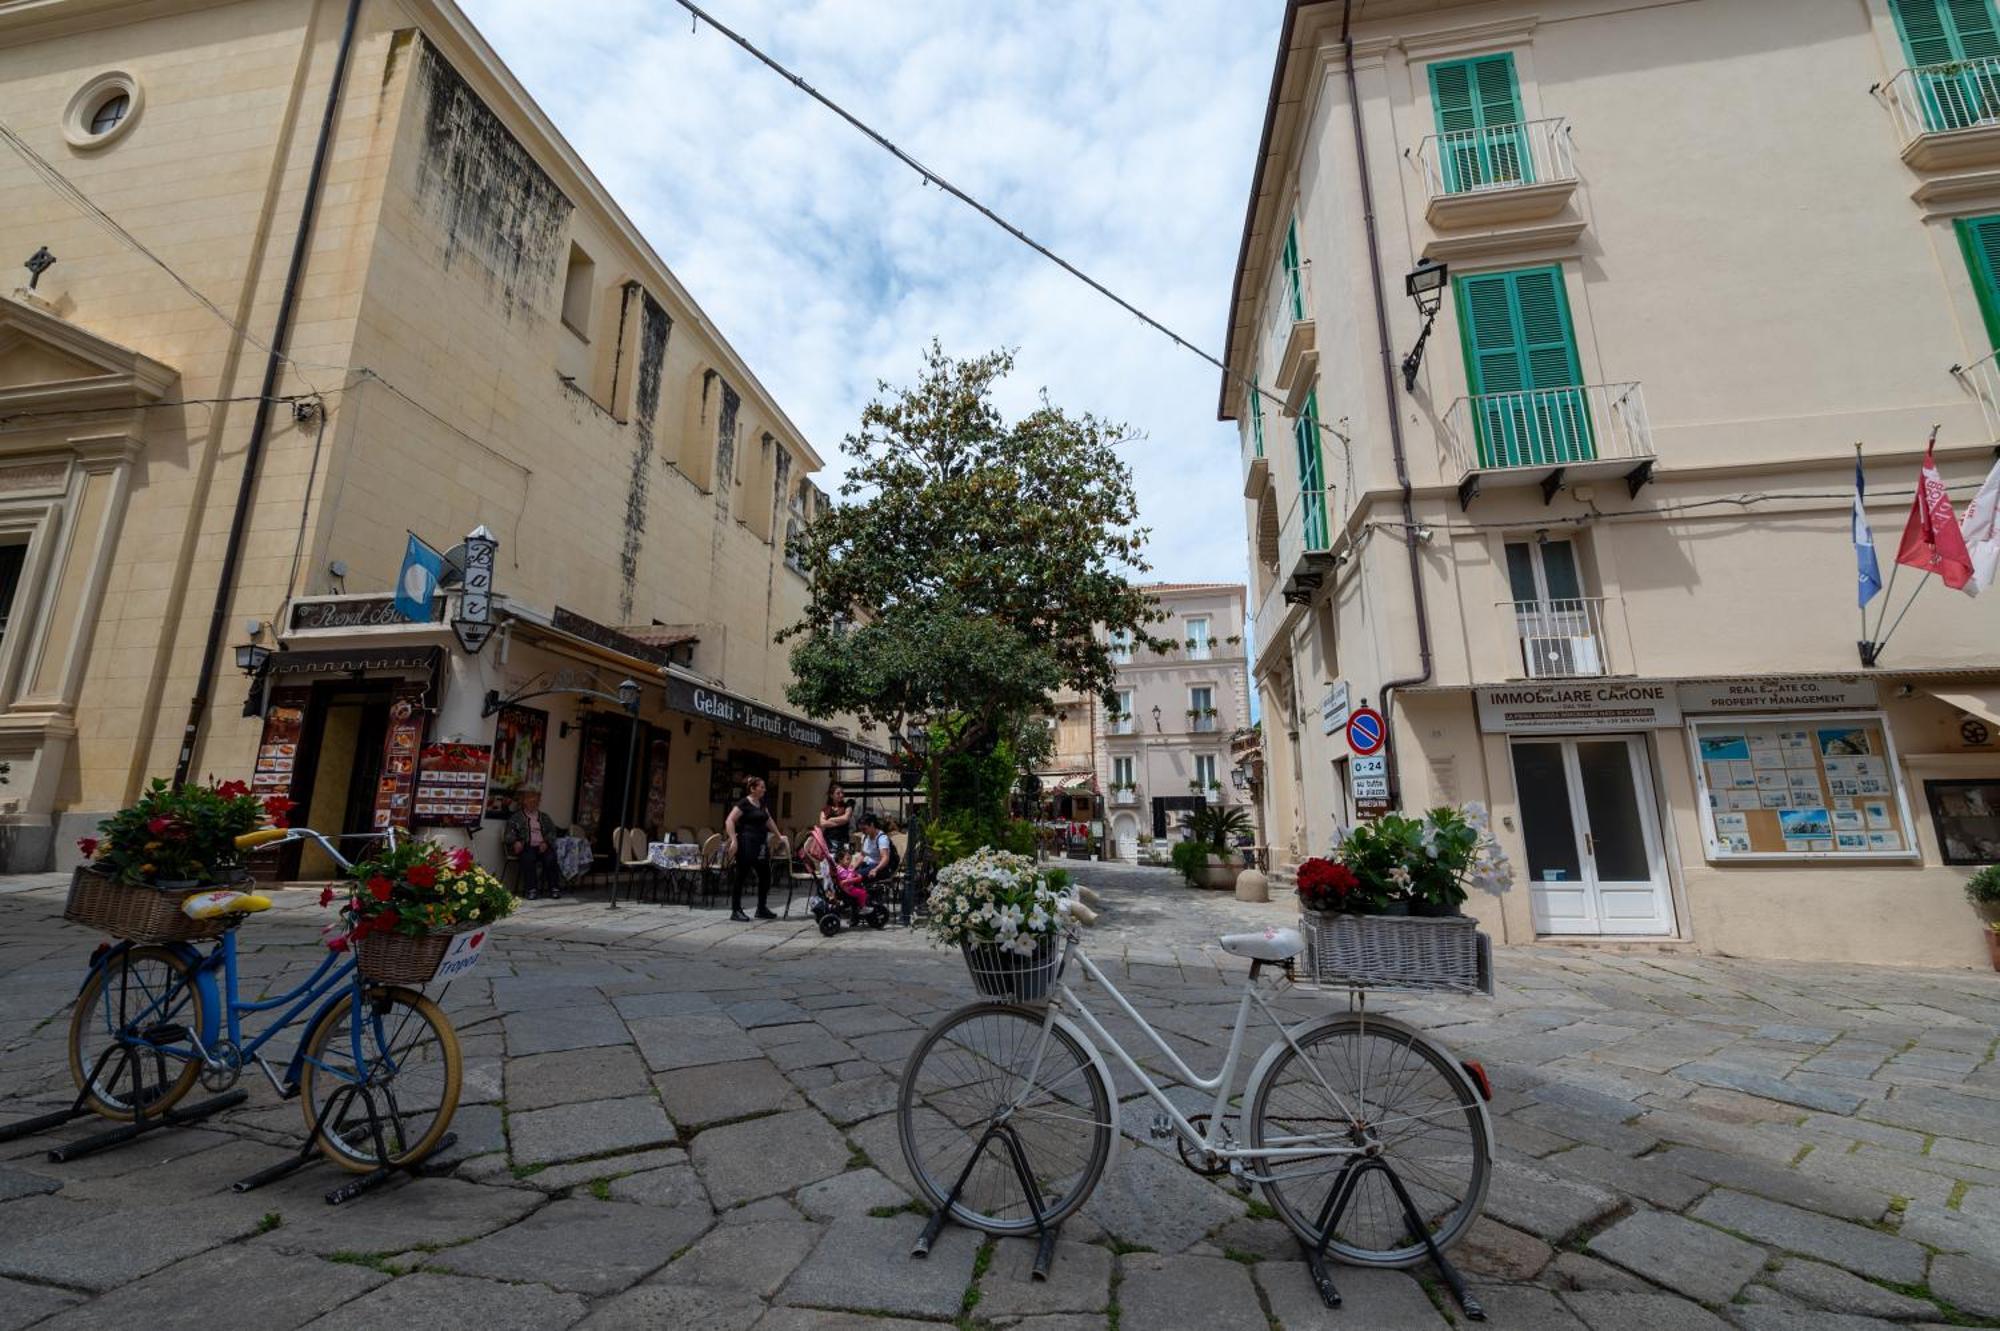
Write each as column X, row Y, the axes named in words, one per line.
column 1868, row 572
column 418, row 581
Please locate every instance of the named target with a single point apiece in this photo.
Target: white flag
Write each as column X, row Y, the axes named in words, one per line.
column 1982, row 534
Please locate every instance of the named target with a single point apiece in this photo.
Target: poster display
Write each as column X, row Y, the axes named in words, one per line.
column 278, row 751
column 396, row 788
column 1966, row 815
column 656, row 782
column 451, row 784
column 1811, row 784
column 520, row 752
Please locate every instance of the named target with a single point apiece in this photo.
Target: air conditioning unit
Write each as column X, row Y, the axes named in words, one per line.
column 1562, row 658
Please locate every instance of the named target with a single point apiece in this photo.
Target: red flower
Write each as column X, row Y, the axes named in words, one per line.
column 88, row 845
column 422, row 875
column 326, row 896
column 1324, row 885
column 276, row 807
column 381, row 888
column 230, row 790
column 158, row 824
column 337, row 943
column 461, row 860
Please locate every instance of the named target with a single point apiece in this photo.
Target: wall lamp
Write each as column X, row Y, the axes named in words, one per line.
column 1425, row 283
column 1156, row 716
column 251, row 656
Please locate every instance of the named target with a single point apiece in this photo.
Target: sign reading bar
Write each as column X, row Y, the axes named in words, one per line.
column 1543, row 709
column 1777, row 694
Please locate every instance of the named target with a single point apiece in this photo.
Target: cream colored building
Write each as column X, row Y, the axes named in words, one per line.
column 474, row 335
column 1595, row 562
column 1166, row 747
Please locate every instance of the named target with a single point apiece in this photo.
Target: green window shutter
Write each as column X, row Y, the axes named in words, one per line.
column 1979, row 237
column 1925, row 30
column 1312, row 483
column 1521, row 363
column 1974, row 23
column 1478, row 104
column 1949, row 42
column 1292, row 270
column 1257, row 415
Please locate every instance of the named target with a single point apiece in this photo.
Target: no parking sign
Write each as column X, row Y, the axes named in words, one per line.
column 1365, row 731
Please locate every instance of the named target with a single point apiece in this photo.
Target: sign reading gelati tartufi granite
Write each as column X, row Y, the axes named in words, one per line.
column 1777, row 693
column 729, row 710
column 1530, row 709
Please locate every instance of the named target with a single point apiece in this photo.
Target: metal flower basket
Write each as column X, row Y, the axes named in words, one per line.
column 1397, row 952
column 1009, row 976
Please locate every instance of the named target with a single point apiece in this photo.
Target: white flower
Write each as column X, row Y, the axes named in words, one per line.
column 1399, row 876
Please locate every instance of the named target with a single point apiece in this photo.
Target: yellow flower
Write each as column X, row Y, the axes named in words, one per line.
column 152, row 845
column 145, row 868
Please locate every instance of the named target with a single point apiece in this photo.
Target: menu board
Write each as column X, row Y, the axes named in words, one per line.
column 1815, row 785
column 396, row 788
column 278, row 751
column 451, row 784
column 520, row 748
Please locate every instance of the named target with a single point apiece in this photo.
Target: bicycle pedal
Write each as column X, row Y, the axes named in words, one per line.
column 1163, row 1127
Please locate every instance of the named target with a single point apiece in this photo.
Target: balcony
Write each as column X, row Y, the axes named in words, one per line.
column 1305, row 545
column 1497, row 176
column 1124, row 799
column 1124, row 725
column 1560, row 639
column 1550, row 437
column 1982, row 380
column 1947, row 116
column 1290, row 331
column 1201, row 725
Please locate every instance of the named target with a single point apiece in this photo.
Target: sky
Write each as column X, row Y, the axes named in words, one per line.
column 1120, row 134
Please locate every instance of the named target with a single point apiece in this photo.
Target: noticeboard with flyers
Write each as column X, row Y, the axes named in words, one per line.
column 1803, row 786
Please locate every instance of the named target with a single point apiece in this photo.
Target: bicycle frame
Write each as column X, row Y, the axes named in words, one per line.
column 1213, row 1142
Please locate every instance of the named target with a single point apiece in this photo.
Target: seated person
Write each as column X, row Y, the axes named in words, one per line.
column 531, row 838
column 878, row 854
column 847, row 875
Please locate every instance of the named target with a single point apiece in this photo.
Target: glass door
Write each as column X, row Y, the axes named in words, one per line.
column 1595, row 861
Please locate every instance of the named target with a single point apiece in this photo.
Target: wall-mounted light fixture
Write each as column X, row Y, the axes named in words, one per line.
column 1156, row 716
column 1425, row 283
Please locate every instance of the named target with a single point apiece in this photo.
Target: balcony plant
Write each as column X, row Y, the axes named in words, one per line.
column 1208, row 712
column 402, row 907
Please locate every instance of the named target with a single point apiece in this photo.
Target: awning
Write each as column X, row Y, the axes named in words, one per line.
column 1070, row 783
column 1982, row 703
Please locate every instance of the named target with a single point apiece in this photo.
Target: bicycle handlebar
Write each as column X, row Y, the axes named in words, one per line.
column 263, row 836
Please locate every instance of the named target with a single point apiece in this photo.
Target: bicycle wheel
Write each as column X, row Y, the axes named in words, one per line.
column 968, row 1084
column 141, row 992
column 1374, row 1088
column 407, row 1073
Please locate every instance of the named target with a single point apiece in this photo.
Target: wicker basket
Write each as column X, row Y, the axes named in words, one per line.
column 401, row 959
column 1397, row 952
column 136, row 914
column 998, row 973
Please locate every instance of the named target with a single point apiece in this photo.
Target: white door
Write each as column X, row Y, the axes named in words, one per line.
column 1126, row 831
column 1595, row 861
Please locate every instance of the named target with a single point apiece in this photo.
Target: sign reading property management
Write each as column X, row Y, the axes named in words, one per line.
column 1541, row 709
column 1776, row 694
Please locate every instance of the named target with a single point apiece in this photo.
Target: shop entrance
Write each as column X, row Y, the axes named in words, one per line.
column 341, row 755
column 1595, row 860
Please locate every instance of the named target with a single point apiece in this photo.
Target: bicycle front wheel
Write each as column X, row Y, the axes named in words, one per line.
column 380, row 1093
column 977, row 1105
column 130, row 1035
column 1371, row 1088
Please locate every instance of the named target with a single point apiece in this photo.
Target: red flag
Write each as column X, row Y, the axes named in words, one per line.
column 1931, row 539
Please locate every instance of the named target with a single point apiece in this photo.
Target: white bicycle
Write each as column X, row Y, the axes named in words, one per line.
column 1368, row 1137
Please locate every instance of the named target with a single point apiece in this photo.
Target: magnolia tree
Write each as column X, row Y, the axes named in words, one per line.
column 974, row 569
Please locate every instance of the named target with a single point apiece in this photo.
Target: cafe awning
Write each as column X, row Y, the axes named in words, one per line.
column 1070, row 783
column 1983, row 703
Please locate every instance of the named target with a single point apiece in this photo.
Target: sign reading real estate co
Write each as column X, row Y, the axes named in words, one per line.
column 1544, row 709
column 1778, row 694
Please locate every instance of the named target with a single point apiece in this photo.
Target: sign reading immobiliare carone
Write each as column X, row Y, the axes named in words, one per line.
column 1530, row 709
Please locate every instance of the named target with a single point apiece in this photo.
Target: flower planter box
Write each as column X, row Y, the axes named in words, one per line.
column 1010, row 977
column 142, row 914
column 1397, row 952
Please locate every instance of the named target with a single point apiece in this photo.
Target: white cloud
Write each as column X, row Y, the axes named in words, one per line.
column 1119, row 133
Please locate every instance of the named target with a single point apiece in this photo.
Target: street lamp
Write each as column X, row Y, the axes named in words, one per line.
column 628, row 696
column 1156, row 716
column 251, row 656
column 1425, row 283
column 1237, row 777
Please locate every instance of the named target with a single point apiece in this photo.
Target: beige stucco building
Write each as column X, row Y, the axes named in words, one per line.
column 1594, row 560
column 468, row 332
column 1166, row 747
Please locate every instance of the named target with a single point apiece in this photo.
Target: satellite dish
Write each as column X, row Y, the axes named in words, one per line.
column 453, row 572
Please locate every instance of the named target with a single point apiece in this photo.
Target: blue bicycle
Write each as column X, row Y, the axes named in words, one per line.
column 377, row 1072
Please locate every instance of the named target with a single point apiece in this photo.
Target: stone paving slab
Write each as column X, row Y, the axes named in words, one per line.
column 1703, row 1263
column 423, row 1300
column 250, row 1287
column 766, row 1156
column 600, row 1127
column 23, row 1304
column 1164, row 1293
column 865, row 1264
column 588, row 1247
column 1868, row 1252
column 1079, row 1281
column 719, row 1092
column 541, row 1081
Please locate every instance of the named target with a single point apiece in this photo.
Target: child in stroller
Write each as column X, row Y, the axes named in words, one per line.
column 845, row 897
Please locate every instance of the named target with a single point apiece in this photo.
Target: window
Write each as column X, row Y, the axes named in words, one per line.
column 795, row 525
column 1197, row 638
column 1952, row 45
column 1121, row 773
column 1121, row 647
column 1121, row 721
column 1256, row 410
column 1201, row 708
column 579, row 286
column 1966, row 815
column 1478, row 107
column 1979, row 238
column 1795, row 787
column 1312, row 475
column 1293, row 284
column 11, row 558
column 1522, row 368
column 1542, row 571
column 109, row 112
column 1204, row 772
column 1558, row 624
column 102, row 110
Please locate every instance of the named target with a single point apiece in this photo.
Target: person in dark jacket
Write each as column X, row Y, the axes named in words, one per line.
column 748, row 828
column 531, row 839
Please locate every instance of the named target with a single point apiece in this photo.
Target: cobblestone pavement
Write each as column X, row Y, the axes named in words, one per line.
column 675, row 1122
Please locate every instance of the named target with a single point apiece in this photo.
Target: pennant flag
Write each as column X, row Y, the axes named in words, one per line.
column 1867, row 569
column 1931, row 539
column 417, row 583
column 1981, row 530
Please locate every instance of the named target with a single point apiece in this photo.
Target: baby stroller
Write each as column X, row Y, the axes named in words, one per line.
column 835, row 903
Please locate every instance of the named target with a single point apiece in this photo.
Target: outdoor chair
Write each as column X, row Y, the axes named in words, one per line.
column 714, row 857
column 634, row 862
column 780, row 853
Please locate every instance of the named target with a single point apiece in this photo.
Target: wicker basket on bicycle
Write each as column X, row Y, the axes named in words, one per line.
column 1397, row 952
column 141, row 913
column 390, row 958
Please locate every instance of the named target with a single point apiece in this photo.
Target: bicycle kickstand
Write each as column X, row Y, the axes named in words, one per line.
column 1045, row 1247
column 141, row 1124
column 1336, row 1204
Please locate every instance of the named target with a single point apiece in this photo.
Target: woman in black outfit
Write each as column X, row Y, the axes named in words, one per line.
column 749, row 830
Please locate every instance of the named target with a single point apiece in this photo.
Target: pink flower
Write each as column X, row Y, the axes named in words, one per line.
column 461, row 860
column 326, row 896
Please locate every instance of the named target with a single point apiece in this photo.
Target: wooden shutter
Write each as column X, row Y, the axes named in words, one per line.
column 1312, row 485
column 1292, row 270
column 1493, row 358
column 1547, row 345
column 1979, row 237
column 1478, row 107
column 1973, row 25
column 1937, row 32
column 1521, row 362
column 1257, row 415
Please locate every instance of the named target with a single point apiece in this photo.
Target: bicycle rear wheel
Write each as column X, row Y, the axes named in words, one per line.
column 389, row 1106
column 1371, row 1086
column 967, row 1086
column 134, row 1016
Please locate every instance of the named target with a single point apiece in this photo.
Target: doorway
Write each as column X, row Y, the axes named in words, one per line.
column 1596, row 863
column 340, row 750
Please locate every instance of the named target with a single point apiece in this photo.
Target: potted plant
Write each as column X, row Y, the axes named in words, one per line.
column 1006, row 916
column 403, row 907
column 1207, row 858
column 1208, row 712
column 172, row 843
column 1983, row 891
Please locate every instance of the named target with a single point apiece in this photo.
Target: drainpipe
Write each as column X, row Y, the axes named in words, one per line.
column 1410, row 541
column 260, row 426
